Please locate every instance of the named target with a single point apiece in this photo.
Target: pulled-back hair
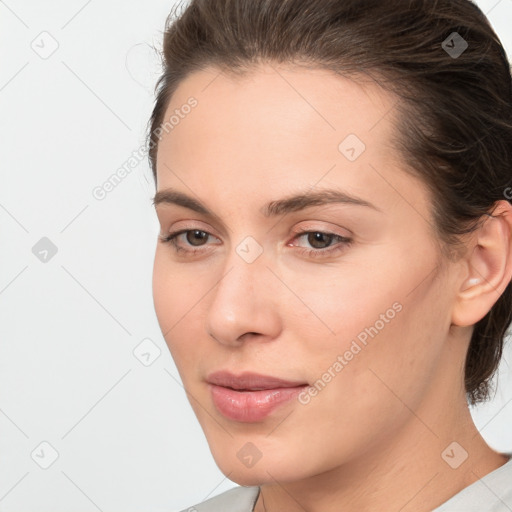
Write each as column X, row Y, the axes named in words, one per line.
column 454, row 107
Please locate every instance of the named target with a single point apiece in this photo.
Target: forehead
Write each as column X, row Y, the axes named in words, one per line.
column 278, row 126
column 282, row 104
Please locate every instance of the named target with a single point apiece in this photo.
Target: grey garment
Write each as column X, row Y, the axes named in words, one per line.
column 492, row 493
column 238, row 499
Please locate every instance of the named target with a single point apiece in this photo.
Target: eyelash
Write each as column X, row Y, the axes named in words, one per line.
column 344, row 242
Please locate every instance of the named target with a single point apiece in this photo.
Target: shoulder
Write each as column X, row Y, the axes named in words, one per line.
column 238, row 499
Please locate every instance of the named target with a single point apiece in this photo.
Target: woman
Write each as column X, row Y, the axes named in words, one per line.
column 337, row 377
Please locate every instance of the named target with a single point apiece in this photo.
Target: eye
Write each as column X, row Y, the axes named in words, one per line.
column 321, row 238
column 317, row 239
column 198, row 235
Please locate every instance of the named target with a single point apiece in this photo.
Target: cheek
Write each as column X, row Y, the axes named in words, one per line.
column 174, row 298
column 382, row 320
column 339, row 305
column 175, row 291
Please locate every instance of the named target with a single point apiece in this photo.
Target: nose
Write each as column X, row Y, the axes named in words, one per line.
column 244, row 303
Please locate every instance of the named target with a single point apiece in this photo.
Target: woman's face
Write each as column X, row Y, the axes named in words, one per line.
column 362, row 323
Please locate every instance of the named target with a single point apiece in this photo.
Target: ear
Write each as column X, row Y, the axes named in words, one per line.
column 488, row 267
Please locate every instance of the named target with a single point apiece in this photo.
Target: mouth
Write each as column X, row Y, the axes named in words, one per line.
column 250, row 397
column 249, row 381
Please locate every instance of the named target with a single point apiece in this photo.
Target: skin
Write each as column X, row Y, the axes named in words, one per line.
column 373, row 438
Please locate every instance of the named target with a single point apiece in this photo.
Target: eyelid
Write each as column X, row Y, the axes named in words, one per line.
column 191, row 225
column 172, row 218
column 313, row 226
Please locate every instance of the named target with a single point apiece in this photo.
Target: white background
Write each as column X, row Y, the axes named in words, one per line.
column 125, row 434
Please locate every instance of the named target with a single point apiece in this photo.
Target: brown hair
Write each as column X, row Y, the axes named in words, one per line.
column 455, row 109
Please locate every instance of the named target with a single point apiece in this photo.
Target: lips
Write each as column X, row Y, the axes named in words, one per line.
column 250, row 397
column 249, row 381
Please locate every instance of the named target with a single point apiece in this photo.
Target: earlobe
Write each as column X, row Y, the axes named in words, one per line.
column 489, row 267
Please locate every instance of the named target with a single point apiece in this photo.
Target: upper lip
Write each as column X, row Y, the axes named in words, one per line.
column 250, row 381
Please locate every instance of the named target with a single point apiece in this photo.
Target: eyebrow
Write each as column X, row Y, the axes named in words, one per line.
column 288, row 204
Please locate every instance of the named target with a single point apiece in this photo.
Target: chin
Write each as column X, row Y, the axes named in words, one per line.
column 264, row 470
column 248, row 479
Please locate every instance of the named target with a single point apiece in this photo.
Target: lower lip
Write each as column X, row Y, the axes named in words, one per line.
column 251, row 406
